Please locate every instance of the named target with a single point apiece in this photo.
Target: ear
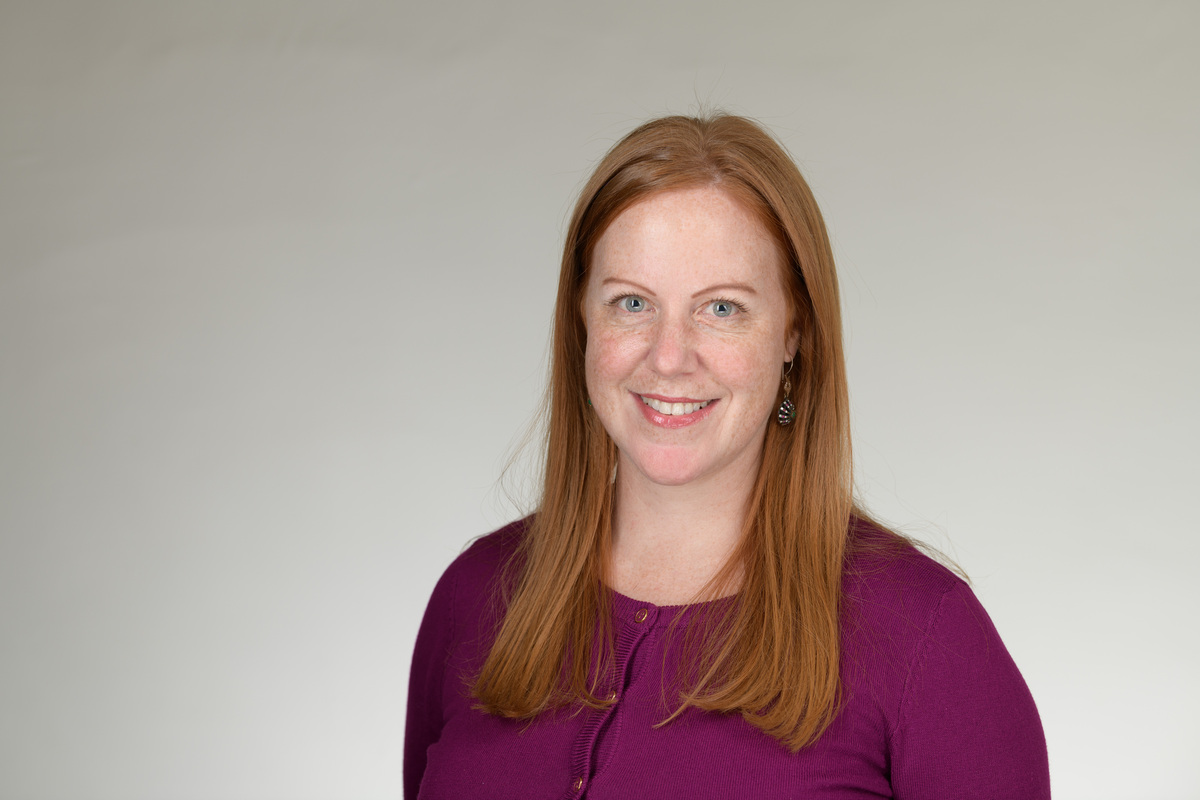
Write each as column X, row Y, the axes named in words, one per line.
column 792, row 346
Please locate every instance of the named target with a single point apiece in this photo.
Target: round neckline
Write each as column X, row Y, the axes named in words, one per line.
column 629, row 609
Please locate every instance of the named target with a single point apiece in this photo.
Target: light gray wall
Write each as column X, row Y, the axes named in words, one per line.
column 275, row 282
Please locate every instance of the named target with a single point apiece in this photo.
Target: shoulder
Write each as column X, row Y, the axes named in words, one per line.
column 897, row 603
column 469, row 592
column 886, row 575
column 486, row 557
column 451, row 640
column 922, row 651
column 900, row 602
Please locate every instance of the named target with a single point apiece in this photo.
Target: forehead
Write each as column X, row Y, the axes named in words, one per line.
column 702, row 233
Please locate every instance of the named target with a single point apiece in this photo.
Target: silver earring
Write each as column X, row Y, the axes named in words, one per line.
column 787, row 409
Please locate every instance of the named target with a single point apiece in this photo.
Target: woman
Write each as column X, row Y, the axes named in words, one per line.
column 698, row 609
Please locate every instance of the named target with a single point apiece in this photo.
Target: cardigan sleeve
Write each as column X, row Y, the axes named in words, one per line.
column 968, row 726
column 423, row 725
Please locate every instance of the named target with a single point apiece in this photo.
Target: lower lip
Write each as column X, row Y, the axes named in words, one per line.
column 680, row 421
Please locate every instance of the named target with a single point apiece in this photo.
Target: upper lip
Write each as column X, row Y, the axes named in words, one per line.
column 664, row 399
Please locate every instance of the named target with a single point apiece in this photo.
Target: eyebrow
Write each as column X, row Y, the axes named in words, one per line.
column 739, row 287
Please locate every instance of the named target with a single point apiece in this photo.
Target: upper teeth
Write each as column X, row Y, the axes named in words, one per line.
column 673, row 409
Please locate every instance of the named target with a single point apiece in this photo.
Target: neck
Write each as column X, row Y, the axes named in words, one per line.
column 669, row 542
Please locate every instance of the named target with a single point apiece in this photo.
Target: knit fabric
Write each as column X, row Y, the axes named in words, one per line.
column 933, row 705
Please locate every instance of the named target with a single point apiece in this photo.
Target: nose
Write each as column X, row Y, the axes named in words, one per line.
column 672, row 350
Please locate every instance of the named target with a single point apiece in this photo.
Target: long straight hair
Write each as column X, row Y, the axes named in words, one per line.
column 774, row 657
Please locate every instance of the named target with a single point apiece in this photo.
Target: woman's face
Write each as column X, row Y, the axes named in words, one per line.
column 687, row 334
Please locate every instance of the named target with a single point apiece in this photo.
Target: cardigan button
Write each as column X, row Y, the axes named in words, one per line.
column 578, row 784
column 641, row 615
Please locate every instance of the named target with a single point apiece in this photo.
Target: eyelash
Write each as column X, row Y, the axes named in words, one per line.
column 741, row 309
column 616, row 300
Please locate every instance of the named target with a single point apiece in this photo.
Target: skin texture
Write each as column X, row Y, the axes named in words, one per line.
column 661, row 278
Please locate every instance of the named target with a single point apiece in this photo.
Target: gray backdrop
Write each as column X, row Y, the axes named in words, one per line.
column 275, row 284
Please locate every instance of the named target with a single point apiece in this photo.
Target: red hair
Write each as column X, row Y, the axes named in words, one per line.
column 774, row 657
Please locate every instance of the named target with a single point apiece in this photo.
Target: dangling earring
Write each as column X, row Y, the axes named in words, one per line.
column 787, row 409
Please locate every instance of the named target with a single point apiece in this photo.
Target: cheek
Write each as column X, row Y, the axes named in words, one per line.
column 755, row 371
column 611, row 356
column 609, row 361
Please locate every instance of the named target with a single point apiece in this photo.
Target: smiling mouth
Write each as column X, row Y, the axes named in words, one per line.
column 673, row 409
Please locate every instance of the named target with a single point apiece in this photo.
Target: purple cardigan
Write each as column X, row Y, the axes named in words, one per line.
column 933, row 707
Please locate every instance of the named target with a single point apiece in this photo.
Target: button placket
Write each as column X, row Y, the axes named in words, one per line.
column 586, row 746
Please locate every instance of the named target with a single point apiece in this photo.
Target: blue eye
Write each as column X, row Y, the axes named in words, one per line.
column 723, row 308
column 632, row 303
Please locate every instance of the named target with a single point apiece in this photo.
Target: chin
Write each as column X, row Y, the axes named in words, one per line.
column 667, row 469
